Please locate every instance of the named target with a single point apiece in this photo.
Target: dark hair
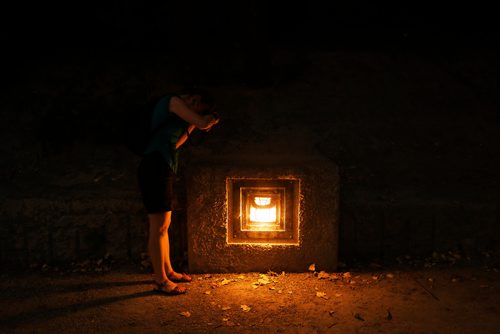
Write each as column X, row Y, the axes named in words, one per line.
column 206, row 97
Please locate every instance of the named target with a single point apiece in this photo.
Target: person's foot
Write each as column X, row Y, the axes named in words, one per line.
column 169, row 288
column 179, row 277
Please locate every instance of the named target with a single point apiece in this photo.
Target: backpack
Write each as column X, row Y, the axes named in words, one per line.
column 137, row 129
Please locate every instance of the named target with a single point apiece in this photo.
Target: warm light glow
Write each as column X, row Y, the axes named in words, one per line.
column 263, row 212
column 262, row 200
column 267, row 215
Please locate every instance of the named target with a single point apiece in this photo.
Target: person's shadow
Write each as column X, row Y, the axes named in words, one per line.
column 37, row 314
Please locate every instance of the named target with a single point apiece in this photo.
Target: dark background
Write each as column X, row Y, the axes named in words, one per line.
column 202, row 35
column 199, row 35
column 32, row 30
column 404, row 98
column 151, row 25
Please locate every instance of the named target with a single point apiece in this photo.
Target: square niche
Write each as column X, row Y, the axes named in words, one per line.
column 263, row 211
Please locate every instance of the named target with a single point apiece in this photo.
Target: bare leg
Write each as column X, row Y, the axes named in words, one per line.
column 166, row 244
column 166, row 247
column 159, row 247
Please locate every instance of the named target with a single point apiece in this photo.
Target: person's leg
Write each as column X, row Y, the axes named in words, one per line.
column 167, row 265
column 155, row 182
column 158, row 247
column 171, row 274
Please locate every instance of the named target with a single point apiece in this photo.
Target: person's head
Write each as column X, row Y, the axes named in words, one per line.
column 198, row 100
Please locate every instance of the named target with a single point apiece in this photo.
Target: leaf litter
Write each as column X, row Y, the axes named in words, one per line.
column 265, row 279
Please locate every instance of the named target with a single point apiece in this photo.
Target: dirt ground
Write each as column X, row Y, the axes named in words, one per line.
column 378, row 300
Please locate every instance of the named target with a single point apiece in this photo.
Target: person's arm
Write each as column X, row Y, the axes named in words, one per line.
column 180, row 108
column 184, row 136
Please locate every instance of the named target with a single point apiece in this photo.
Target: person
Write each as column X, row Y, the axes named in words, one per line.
column 174, row 118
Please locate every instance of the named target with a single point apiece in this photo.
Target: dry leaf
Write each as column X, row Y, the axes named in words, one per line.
column 312, row 267
column 321, row 295
column 346, row 275
column 224, row 281
column 263, row 281
column 225, row 308
column 241, row 277
column 186, row 314
column 207, row 292
column 338, row 294
column 245, row 308
column 225, row 319
column 323, row 275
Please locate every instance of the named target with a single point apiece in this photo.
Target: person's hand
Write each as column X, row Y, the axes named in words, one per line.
column 211, row 121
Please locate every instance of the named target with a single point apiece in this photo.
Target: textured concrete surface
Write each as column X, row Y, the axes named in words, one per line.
column 208, row 250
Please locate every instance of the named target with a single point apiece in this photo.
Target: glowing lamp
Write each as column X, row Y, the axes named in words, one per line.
column 263, row 211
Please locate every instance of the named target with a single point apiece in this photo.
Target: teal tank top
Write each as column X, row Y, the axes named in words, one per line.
column 166, row 128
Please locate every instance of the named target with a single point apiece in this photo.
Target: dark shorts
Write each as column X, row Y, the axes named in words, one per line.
column 155, row 181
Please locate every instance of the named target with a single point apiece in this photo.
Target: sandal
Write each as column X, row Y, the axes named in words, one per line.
column 177, row 290
column 184, row 278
